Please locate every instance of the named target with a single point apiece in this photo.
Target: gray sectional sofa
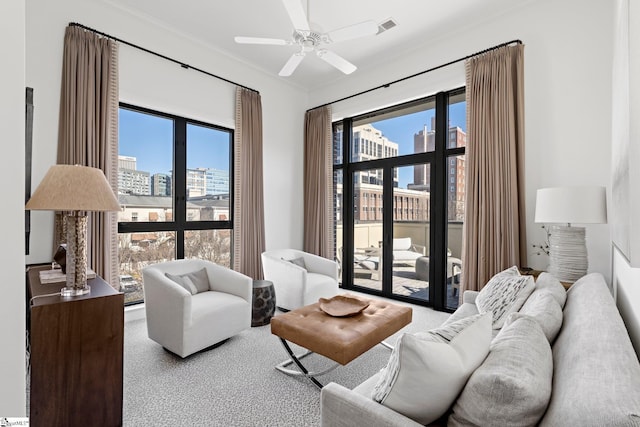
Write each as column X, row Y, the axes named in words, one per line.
column 594, row 373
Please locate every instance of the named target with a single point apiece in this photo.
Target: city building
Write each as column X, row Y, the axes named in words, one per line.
column 160, row 184
column 132, row 181
column 424, row 141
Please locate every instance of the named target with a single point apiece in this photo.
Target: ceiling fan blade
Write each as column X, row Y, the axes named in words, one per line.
column 259, row 40
column 292, row 64
column 296, row 14
column 337, row 61
column 366, row 28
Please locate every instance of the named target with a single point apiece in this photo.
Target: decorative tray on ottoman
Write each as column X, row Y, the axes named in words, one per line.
column 342, row 306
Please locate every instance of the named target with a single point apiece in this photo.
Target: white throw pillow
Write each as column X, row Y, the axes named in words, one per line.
column 504, row 294
column 426, row 373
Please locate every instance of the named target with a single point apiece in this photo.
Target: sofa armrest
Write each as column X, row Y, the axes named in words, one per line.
column 469, row 297
column 341, row 407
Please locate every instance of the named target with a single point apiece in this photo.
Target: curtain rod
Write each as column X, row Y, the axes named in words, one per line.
column 182, row 64
column 386, row 85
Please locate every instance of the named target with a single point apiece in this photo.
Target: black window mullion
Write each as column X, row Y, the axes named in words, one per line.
column 347, row 204
column 387, row 229
column 180, row 179
column 438, row 229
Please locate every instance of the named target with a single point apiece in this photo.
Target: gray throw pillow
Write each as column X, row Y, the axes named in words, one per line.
column 299, row 262
column 550, row 283
column 542, row 306
column 512, row 387
column 194, row 282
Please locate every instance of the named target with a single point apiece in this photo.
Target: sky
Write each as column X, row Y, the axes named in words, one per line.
column 150, row 139
column 401, row 130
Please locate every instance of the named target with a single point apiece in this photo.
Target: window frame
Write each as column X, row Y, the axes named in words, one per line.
column 180, row 223
column 438, row 159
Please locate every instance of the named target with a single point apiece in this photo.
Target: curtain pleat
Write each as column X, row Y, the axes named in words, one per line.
column 88, row 134
column 248, row 217
column 494, row 235
column 318, row 183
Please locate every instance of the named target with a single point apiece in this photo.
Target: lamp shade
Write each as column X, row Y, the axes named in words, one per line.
column 577, row 205
column 73, row 188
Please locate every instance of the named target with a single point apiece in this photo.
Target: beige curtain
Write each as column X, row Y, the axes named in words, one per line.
column 248, row 217
column 88, row 133
column 494, row 225
column 318, row 183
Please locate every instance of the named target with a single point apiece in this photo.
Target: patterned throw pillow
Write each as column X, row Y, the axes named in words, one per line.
column 427, row 371
column 504, row 294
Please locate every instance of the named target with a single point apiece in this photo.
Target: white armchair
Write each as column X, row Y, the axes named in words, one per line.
column 296, row 286
column 184, row 323
column 404, row 251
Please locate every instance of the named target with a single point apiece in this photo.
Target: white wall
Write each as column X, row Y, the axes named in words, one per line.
column 151, row 82
column 12, row 302
column 626, row 133
column 567, row 93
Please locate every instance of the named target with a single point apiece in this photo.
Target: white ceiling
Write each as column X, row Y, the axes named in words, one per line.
column 216, row 22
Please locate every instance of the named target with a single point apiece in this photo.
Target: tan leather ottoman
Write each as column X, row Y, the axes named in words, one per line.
column 341, row 339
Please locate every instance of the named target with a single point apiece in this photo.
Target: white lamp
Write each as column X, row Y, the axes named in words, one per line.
column 567, row 245
column 76, row 190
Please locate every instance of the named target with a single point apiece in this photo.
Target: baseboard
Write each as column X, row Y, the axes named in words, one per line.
column 134, row 312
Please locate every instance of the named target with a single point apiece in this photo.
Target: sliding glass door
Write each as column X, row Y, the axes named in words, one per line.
column 395, row 203
column 410, row 243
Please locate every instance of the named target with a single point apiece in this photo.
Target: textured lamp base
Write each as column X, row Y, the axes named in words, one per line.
column 76, row 256
column 567, row 253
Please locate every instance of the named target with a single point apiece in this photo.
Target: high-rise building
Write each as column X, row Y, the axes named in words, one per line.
column 424, row 141
column 127, row 162
column 133, row 182
column 217, row 181
column 368, row 143
column 160, row 184
column 196, row 182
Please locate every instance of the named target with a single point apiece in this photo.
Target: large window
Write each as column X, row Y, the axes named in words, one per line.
column 174, row 188
column 399, row 175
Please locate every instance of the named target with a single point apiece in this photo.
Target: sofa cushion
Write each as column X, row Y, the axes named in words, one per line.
column 542, row 306
column 550, row 283
column 194, row 282
column 512, row 386
column 504, row 294
column 426, row 372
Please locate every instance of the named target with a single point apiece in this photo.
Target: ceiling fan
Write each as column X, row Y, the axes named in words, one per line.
column 312, row 41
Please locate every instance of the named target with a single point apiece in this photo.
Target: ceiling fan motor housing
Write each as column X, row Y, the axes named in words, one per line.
column 308, row 40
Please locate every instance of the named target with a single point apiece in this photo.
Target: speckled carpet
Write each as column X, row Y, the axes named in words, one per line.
column 235, row 384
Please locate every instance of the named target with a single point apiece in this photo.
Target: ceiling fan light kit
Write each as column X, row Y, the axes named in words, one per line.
column 309, row 40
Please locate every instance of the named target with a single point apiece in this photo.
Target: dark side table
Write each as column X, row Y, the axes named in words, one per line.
column 264, row 302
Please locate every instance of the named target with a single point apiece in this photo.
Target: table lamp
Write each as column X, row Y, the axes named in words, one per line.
column 567, row 245
column 76, row 190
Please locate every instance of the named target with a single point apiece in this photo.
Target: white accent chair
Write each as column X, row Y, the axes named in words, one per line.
column 183, row 323
column 406, row 252
column 296, row 286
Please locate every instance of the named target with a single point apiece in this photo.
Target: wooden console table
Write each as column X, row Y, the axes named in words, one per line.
column 76, row 354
